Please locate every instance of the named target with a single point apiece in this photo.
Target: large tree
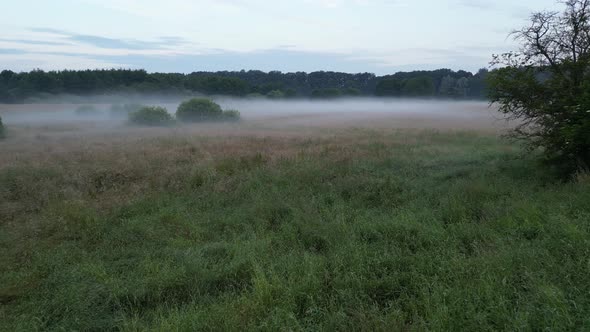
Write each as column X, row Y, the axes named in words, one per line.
column 546, row 84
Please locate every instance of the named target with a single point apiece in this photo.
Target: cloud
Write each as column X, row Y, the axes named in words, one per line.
column 11, row 51
column 113, row 43
column 49, row 30
column 32, row 42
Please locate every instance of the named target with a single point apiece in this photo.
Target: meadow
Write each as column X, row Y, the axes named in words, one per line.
column 291, row 222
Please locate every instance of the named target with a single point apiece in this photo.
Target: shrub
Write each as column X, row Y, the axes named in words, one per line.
column 199, row 109
column 231, row 115
column 2, row 130
column 87, row 110
column 150, row 116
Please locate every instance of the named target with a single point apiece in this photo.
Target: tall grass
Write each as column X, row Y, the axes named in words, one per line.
column 359, row 231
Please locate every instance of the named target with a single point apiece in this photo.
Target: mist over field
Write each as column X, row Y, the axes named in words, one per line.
column 416, row 112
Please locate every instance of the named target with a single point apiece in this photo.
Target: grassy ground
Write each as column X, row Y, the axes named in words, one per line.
column 354, row 230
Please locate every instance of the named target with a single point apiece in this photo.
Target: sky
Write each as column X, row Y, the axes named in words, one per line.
column 377, row 36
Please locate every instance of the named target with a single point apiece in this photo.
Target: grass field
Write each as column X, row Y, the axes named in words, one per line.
column 337, row 229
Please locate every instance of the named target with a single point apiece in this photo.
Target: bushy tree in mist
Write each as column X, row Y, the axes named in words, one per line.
column 231, row 115
column 546, row 84
column 198, row 109
column 150, row 116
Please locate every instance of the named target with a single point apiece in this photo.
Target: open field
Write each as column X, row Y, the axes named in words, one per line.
column 334, row 220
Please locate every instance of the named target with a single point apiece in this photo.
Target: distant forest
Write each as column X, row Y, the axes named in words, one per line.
column 442, row 83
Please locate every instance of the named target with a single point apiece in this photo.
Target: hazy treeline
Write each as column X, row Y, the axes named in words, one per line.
column 38, row 84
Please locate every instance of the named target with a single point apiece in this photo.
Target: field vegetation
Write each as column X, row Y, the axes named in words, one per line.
column 337, row 229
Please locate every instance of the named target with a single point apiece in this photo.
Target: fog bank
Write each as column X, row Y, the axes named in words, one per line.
column 259, row 110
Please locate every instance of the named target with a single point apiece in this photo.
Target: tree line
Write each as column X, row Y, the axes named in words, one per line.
column 38, row 84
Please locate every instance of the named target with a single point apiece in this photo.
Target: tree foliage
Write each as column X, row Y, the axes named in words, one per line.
column 231, row 115
column 546, row 84
column 199, row 109
column 150, row 116
column 27, row 86
column 326, row 93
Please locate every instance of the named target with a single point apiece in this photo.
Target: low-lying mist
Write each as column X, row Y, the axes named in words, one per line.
column 279, row 112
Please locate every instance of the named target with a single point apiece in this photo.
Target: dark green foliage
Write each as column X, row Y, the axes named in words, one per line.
column 18, row 87
column 87, row 110
column 276, row 94
column 326, row 93
column 198, row 110
column 418, row 87
column 546, row 87
column 389, row 87
column 2, row 129
column 290, row 93
column 430, row 83
column 231, row 115
column 351, row 92
column 478, row 86
column 150, row 116
column 216, row 85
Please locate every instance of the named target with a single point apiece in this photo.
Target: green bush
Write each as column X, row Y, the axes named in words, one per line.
column 87, row 110
column 231, row 115
column 150, row 116
column 199, row 109
column 2, row 130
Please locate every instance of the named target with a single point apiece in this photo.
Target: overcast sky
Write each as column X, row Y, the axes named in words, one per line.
column 380, row 36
